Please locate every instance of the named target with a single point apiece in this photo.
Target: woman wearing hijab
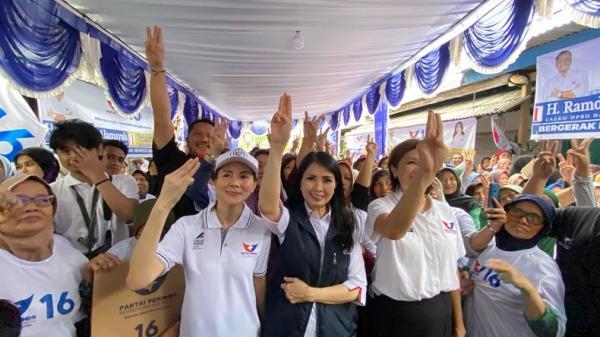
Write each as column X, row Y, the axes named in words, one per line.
column 39, row 162
column 500, row 177
column 518, row 288
column 6, row 170
column 455, row 197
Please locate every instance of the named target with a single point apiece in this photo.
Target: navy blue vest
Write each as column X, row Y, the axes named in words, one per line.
column 300, row 256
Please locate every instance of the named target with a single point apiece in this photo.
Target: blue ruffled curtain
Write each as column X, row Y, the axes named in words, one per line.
column 39, row 50
column 190, row 109
column 431, row 68
column 380, row 122
column 394, row 88
column 259, row 128
column 173, row 100
column 357, row 109
column 207, row 113
column 334, row 122
column 372, row 98
column 125, row 80
column 235, row 129
column 493, row 38
column 590, row 7
column 346, row 114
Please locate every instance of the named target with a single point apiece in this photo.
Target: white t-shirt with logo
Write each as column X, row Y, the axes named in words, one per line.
column 46, row 292
column 424, row 262
column 495, row 309
column 219, row 296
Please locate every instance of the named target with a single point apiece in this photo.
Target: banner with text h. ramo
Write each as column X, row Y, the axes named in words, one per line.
column 567, row 100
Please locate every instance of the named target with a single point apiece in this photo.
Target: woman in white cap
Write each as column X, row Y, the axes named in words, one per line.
column 223, row 250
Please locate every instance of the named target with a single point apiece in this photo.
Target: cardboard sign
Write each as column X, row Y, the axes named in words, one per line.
column 118, row 311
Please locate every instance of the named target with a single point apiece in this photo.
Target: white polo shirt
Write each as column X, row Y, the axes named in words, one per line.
column 423, row 263
column 360, row 232
column 68, row 220
column 219, row 298
column 46, row 292
column 495, row 309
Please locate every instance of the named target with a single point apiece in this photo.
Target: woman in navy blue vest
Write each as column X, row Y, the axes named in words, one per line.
column 319, row 273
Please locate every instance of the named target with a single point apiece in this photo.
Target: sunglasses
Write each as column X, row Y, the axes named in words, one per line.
column 39, row 200
column 532, row 218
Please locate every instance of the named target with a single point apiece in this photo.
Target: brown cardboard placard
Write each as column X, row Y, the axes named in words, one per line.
column 118, row 311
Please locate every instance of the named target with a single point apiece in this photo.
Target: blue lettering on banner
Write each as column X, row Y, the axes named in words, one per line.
column 490, row 276
column 571, row 116
column 12, row 137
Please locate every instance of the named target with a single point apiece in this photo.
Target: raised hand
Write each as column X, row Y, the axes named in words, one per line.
column 218, row 140
column 89, row 163
column 432, row 150
column 566, row 168
column 155, row 49
column 545, row 163
column 311, row 125
column 469, row 156
column 580, row 151
column 371, row 147
column 281, row 123
column 295, row 145
column 177, row 182
column 10, row 207
column 496, row 216
column 321, row 140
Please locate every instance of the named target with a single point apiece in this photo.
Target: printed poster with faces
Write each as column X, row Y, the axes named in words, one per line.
column 150, row 312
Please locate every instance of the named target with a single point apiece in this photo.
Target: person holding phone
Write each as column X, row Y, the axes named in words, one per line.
column 518, row 288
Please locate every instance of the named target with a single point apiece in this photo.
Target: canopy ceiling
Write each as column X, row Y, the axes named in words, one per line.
column 238, row 55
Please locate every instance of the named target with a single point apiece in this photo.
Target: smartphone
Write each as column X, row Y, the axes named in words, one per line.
column 493, row 193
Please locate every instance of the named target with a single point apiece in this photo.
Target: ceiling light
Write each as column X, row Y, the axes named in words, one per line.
column 298, row 40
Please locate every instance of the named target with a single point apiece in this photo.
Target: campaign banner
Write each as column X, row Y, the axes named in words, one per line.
column 567, row 99
column 88, row 102
column 459, row 135
column 19, row 126
column 118, row 311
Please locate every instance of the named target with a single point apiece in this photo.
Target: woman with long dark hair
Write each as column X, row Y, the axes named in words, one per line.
column 319, row 272
column 415, row 289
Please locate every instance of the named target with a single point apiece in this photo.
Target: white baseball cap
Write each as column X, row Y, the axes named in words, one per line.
column 237, row 155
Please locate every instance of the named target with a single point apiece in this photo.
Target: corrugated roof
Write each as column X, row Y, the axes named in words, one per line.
column 493, row 104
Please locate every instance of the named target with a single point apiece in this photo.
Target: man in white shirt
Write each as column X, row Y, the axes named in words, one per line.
column 93, row 207
column 116, row 152
column 568, row 83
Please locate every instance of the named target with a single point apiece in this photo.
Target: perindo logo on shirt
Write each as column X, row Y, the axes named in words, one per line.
column 449, row 227
column 249, row 249
column 198, row 241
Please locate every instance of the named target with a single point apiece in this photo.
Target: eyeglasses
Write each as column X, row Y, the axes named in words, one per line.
column 532, row 219
column 39, row 200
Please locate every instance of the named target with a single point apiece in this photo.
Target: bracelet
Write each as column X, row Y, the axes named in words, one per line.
column 491, row 228
column 156, row 72
column 101, row 182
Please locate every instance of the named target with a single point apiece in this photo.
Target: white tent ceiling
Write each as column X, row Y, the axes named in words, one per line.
column 238, row 55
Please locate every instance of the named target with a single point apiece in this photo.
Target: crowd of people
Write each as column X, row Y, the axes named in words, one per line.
column 301, row 243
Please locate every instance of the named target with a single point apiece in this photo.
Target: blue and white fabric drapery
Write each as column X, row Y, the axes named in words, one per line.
column 258, row 128
column 40, row 52
column 346, row 114
column 191, row 110
column 497, row 38
column 429, row 70
column 372, row 98
column 334, row 121
column 380, row 123
column 584, row 12
column 357, row 108
column 173, row 100
column 394, row 88
column 235, row 129
column 125, row 80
